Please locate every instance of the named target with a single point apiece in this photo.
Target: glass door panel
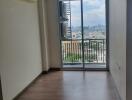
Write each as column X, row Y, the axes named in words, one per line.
column 71, row 36
column 94, row 32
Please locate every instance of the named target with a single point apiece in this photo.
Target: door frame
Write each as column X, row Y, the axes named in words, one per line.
column 107, row 41
column 107, row 35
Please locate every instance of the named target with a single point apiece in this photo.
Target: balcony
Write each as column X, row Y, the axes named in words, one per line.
column 92, row 53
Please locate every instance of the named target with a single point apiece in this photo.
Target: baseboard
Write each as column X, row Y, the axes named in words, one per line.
column 16, row 98
column 46, row 72
column 55, row 69
column 1, row 96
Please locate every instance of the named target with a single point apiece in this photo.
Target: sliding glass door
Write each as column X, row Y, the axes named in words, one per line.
column 83, row 33
column 94, row 33
column 71, row 35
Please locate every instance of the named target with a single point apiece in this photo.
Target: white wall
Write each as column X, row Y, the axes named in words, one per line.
column 53, row 30
column 20, row 56
column 118, row 44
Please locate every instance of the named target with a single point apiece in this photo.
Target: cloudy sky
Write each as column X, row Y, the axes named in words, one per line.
column 94, row 12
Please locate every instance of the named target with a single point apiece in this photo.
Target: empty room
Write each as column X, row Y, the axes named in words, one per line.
column 65, row 49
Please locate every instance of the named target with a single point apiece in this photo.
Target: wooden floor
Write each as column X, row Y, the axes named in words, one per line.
column 70, row 85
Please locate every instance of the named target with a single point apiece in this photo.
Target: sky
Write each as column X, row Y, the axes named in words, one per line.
column 94, row 12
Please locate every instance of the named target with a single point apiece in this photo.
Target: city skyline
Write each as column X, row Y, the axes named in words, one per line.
column 93, row 12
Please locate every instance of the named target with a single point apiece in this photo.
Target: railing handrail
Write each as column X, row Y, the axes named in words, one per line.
column 79, row 39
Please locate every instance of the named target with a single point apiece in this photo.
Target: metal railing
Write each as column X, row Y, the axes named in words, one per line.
column 94, row 51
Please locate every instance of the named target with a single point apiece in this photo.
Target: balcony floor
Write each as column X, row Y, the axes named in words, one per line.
column 98, row 66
